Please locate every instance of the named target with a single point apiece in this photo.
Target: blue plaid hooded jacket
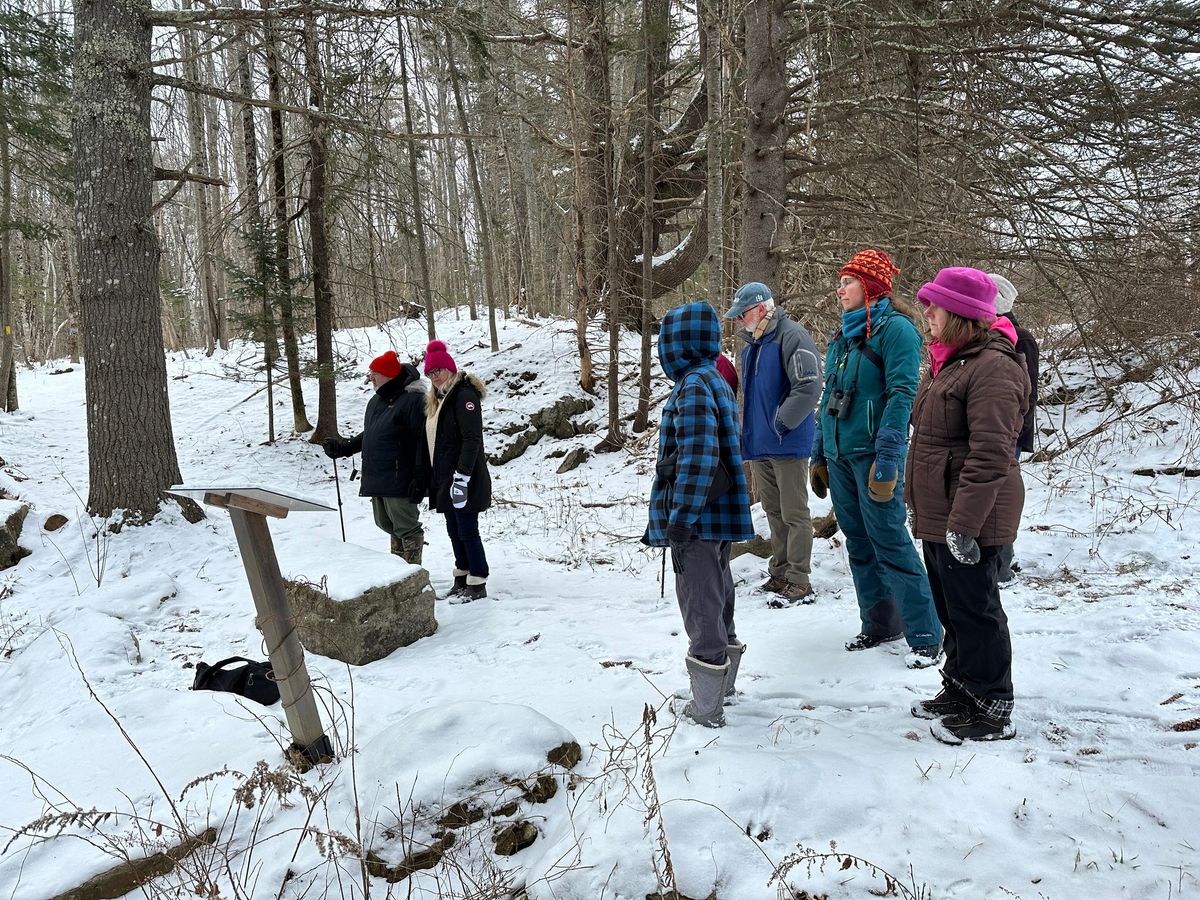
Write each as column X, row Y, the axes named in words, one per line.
column 698, row 438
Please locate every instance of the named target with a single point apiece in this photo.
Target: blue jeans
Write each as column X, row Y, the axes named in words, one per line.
column 463, row 527
column 883, row 561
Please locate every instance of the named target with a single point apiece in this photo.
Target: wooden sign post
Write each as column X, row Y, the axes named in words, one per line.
column 248, row 509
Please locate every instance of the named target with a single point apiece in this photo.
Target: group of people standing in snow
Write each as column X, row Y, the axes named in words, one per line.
column 418, row 445
column 886, row 444
column 894, row 450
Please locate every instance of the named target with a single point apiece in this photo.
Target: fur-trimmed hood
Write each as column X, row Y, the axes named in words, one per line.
column 432, row 400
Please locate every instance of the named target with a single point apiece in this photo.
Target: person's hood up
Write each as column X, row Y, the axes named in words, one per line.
column 1006, row 328
column 689, row 335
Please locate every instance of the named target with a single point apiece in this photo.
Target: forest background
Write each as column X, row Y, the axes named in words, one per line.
column 177, row 175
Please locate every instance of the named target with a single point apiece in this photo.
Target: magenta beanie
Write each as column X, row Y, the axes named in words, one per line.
column 963, row 291
column 438, row 357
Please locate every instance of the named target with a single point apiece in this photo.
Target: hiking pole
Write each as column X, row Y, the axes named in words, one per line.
column 338, row 486
column 662, row 581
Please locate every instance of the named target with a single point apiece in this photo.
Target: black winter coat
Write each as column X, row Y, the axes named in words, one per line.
column 392, row 442
column 1027, row 346
column 458, row 445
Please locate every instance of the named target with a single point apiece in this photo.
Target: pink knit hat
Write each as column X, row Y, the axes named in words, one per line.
column 438, row 357
column 963, row 291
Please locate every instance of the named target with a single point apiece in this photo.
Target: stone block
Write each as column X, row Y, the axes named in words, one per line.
column 353, row 604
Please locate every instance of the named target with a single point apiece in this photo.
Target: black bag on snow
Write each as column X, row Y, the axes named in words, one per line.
column 254, row 681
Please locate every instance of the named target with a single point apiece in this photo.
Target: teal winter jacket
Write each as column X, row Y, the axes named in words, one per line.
column 879, row 397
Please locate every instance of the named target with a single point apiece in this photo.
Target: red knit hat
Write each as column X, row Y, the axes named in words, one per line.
column 874, row 271
column 386, row 364
column 438, row 357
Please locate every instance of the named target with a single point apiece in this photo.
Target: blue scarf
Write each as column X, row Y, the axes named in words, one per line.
column 854, row 321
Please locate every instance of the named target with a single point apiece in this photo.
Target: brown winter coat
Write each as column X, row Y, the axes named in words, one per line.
column 961, row 475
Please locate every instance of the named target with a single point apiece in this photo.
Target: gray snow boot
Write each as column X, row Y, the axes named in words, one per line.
column 708, row 693
column 734, row 654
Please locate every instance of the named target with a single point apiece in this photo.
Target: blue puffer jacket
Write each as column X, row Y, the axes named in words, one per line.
column 781, row 381
column 698, row 438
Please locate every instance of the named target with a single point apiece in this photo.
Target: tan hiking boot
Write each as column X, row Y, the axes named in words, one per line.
column 773, row 585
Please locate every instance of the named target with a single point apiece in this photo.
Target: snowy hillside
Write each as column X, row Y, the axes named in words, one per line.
column 821, row 775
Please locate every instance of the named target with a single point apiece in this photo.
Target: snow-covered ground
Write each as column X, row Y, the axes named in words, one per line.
column 820, row 775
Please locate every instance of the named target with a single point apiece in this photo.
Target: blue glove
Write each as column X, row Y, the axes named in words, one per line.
column 780, row 428
column 458, row 490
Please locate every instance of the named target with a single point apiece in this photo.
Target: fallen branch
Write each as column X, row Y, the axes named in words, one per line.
column 132, row 874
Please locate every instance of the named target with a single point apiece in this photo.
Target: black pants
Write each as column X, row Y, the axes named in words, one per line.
column 463, row 528
column 978, row 647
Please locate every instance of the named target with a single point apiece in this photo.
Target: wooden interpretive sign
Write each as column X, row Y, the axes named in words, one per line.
column 248, row 509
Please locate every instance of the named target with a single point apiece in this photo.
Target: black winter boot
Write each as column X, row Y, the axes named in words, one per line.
column 972, row 724
column 460, row 584
column 866, row 641
column 949, row 701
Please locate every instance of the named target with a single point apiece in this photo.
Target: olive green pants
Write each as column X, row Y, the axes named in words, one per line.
column 398, row 516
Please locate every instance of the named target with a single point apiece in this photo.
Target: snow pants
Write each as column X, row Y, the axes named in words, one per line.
column 892, row 587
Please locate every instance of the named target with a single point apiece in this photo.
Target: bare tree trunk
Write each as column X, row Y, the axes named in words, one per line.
column 212, row 114
column 613, row 438
column 7, row 363
column 654, row 31
column 764, row 167
column 465, row 286
column 199, row 161
column 482, row 216
column 283, row 268
column 377, row 309
column 319, row 238
column 256, row 239
column 712, row 52
column 583, row 298
column 131, row 450
column 414, row 177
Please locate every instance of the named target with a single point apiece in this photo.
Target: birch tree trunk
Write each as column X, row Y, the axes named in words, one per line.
column 131, row 450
